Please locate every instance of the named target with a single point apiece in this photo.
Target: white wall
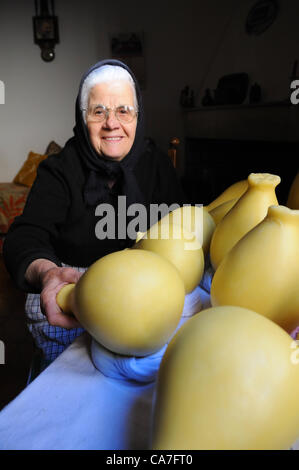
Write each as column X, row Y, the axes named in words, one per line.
column 190, row 42
column 40, row 96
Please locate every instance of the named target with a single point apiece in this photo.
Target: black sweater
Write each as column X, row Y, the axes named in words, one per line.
column 56, row 224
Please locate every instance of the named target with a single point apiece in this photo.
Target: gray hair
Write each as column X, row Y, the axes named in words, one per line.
column 105, row 74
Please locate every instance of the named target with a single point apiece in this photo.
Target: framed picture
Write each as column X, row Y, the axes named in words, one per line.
column 129, row 48
column 45, row 28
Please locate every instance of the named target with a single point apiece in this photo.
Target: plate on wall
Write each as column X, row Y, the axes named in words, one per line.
column 261, row 16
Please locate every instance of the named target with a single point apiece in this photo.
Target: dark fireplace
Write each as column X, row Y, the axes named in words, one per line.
column 212, row 165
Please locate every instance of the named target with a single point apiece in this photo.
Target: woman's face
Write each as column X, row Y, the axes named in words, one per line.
column 111, row 137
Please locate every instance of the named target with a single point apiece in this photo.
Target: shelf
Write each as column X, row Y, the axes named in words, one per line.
column 269, row 104
column 272, row 121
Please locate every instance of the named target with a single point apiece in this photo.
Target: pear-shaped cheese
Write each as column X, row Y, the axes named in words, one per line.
column 130, row 301
column 261, row 271
column 194, row 219
column 178, row 246
column 229, row 380
column 64, row 298
column 220, row 211
column 235, row 191
column 249, row 211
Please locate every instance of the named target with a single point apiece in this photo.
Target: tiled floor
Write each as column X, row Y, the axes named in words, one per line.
column 18, row 345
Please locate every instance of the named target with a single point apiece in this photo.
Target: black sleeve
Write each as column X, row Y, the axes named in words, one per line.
column 31, row 234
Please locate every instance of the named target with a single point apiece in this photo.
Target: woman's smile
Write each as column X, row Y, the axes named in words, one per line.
column 112, row 139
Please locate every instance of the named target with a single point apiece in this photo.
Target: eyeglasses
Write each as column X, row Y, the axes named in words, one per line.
column 99, row 113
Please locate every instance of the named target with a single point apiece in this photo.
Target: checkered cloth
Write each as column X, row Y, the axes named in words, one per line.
column 52, row 340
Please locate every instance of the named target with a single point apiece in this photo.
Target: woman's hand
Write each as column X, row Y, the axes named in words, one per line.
column 50, row 279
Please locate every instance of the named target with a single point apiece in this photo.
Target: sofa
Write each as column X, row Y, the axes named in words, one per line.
column 13, row 195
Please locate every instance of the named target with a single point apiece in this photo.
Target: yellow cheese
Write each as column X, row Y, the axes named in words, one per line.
column 178, row 246
column 64, row 298
column 194, row 219
column 220, row 211
column 249, row 211
column 130, row 301
column 229, row 380
column 261, row 272
column 234, row 191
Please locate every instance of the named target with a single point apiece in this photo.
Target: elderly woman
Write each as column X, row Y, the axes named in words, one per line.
column 55, row 240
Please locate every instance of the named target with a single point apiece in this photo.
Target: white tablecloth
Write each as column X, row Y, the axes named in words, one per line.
column 71, row 405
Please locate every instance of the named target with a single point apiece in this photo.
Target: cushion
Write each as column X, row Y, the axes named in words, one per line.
column 12, row 201
column 53, row 148
column 27, row 173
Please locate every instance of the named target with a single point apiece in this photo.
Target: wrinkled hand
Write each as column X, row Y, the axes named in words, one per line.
column 52, row 281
